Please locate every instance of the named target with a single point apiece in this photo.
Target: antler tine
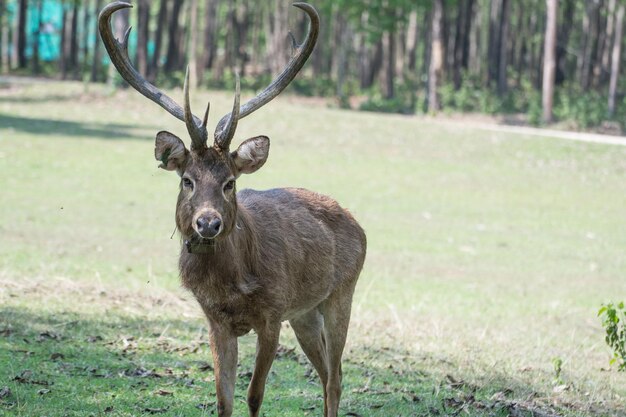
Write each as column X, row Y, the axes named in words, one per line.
column 118, row 52
column 225, row 135
column 297, row 61
column 197, row 132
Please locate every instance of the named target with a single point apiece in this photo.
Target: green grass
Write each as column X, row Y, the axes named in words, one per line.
column 489, row 255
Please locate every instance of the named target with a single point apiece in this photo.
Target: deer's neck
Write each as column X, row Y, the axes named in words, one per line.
column 230, row 268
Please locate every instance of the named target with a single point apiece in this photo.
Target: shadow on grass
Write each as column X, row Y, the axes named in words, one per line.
column 45, row 127
column 23, row 99
column 76, row 365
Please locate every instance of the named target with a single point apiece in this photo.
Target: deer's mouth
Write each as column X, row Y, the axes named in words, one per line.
column 197, row 244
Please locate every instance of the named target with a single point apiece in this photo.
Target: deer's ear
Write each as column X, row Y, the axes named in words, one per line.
column 170, row 151
column 251, row 154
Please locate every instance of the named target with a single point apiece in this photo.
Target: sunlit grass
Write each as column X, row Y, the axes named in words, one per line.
column 488, row 253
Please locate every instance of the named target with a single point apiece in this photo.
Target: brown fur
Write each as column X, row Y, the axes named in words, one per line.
column 283, row 254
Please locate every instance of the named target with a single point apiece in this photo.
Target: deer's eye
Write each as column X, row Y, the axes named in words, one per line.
column 187, row 183
column 229, row 185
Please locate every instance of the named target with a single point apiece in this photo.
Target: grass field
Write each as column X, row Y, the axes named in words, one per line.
column 489, row 255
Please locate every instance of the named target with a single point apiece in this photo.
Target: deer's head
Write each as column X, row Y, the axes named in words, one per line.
column 207, row 206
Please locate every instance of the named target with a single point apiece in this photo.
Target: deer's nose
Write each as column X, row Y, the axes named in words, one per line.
column 209, row 227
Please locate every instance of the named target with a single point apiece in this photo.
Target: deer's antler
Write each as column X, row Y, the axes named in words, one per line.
column 118, row 52
column 300, row 56
column 225, row 130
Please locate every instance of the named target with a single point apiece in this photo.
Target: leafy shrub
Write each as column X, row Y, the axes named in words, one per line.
column 314, row 86
column 170, row 80
column 405, row 101
column 470, row 97
column 379, row 104
column 614, row 323
column 587, row 109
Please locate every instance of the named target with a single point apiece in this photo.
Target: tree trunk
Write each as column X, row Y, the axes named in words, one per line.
column 493, row 49
column 84, row 30
column 19, row 35
column 461, row 41
column 210, row 34
column 68, row 63
column 65, row 35
column 172, row 57
column 608, row 36
column 257, row 29
column 278, row 46
column 241, row 24
column 153, row 68
column 563, row 36
column 97, row 56
column 181, row 37
column 35, row 62
column 503, row 53
column 365, row 61
column 339, row 23
column 4, row 39
column 193, row 45
column 616, row 57
column 412, row 37
column 342, row 64
column 376, row 63
column 436, row 56
column 388, row 73
column 229, row 42
column 549, row 60
column 73, row 51
column 475, row 45
column 602, row 44
column 143, row 33
column 590, row 24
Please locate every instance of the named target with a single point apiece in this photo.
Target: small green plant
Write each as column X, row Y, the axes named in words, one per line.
column 614, row 323
column 557, row 363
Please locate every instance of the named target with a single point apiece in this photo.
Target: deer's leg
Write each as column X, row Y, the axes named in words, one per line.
column 336, row 311
column 267, row 344
column 309, row 330
column 224, row 350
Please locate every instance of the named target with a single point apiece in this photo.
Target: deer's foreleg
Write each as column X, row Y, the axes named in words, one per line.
column 267, row 344
column 224, row 350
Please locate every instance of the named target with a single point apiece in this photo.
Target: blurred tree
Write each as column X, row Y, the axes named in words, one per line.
column 97, row 55
column 35, row 61
column 19, row 35
column 153, row 68
column 435, row 72
column 210, row 35
column 174, row 35
column 476, row 55
column 616, row 57
column 4, row 39
column 193, row 43
column 549, row 60
column 143, row 34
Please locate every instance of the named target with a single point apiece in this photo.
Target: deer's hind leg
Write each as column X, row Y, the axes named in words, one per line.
column 309, row 330
column 336, row 311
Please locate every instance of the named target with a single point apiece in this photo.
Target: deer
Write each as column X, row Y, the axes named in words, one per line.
column 254, row 259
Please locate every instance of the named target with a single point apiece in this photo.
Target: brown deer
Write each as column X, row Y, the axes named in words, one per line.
column 255, row 258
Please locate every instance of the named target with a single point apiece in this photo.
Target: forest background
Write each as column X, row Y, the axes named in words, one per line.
column 542, row 61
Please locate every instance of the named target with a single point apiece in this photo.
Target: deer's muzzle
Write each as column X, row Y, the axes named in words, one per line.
column 208, row 225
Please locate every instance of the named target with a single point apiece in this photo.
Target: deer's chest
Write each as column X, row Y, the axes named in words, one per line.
column 236, row 314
